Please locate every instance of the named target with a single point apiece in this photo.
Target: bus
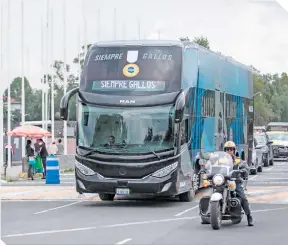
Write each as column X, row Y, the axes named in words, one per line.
column 277, row 126
column 146, row 112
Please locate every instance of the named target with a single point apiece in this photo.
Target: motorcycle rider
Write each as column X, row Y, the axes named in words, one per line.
column 230, row 148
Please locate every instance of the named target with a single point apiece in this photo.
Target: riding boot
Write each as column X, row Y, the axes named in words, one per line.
column 250, row 220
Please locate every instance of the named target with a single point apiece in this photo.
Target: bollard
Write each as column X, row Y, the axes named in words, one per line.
column 52, row 170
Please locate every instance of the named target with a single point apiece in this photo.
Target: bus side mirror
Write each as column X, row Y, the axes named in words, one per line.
column 243, row 156
column 65, row 103
column 179, row 108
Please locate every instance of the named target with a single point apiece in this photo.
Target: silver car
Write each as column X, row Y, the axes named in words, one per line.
column 257, row 162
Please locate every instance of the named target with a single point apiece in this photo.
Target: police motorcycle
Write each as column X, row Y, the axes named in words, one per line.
column 224, row 203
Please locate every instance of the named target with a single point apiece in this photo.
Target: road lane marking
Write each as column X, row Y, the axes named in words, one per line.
column 254, row 177
column 270, row 168
column 64, row 206
column 185, row 211
column 124, row 241
column 267, row 210
column 2, row 243
column 100, row 227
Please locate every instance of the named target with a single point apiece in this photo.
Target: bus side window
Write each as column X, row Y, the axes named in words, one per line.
column 184, row 132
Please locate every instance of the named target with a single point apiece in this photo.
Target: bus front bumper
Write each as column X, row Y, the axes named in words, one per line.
column 166, row 186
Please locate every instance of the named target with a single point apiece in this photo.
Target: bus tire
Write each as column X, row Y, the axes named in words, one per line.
column 186, row 196
column 106, row 196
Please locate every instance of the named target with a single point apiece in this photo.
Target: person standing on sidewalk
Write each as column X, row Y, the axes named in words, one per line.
column 29, row 154
column 60, row 148
column 43, row 153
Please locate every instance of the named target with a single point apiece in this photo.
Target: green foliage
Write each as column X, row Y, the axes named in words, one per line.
column 203, row 41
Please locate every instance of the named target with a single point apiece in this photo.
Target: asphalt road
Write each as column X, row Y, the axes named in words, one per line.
column 142, row 221
column 276, row 175
column 134, row 222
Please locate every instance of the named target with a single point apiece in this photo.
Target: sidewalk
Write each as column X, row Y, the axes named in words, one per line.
column 43, row 193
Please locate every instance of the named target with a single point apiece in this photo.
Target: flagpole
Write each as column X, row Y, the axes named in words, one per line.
column 98, row 25
column 9, row 92
column 85, row 30
column 1, row 94
column 64, row 71
column 47, row 65
column 139, row 29
column 42, row 72
column 124, row 31
column 79, row 53
column 115, row 30
column 23, row 78
column 52, row 74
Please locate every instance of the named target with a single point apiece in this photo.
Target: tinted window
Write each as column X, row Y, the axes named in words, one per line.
column 133, row 70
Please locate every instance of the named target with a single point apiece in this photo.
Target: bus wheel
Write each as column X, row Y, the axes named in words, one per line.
column 106, row 196
column 187, row 196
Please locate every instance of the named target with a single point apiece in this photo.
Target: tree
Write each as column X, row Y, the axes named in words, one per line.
column 184, row 39
column 203, row 41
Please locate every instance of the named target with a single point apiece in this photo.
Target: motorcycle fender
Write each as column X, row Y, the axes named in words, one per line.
column 216, row 197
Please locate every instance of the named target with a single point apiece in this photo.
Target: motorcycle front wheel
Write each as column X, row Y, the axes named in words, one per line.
column 216, row 216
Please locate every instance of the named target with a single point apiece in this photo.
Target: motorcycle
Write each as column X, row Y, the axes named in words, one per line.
column 224, row 203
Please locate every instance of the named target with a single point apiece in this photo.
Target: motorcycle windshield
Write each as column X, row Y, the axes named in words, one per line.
column 219, row 163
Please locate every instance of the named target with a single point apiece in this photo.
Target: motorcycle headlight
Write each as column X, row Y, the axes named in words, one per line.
column 84, row 169
column 218, row 179
column 165, row 171
column 264, row 149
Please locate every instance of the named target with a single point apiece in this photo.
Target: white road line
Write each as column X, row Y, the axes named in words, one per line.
column 124, row 241
column 64, row 206
column 185, row 211
column 270, row 168
column 277, row 178
column 254, row 177
column 100, row 227
column 2, row 243
column 267, row 210
column 47, row 200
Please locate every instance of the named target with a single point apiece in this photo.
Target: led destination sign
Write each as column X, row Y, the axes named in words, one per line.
column 128, row 85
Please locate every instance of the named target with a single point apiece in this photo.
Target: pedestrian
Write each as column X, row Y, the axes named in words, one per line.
column 43, row 153
column 7, row 147
column 30, row 154
column 60, row 148
column 53, row 148
column 37, row 146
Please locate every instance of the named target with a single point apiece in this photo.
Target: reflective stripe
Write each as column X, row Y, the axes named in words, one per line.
column 52, row 167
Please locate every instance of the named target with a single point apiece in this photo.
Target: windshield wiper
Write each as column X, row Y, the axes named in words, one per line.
column 153, row 151
column 91, row 150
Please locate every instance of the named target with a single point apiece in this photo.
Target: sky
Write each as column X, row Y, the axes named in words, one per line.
column 253, row 32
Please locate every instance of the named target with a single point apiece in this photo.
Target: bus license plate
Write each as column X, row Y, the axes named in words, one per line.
column 122, row 191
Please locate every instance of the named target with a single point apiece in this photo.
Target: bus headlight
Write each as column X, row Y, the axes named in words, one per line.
column 84, row 169
column 165, row 171
column 218, row 179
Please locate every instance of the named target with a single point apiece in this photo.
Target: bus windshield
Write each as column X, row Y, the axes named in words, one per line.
column 133, row 70
column 126, row 130
column 278, row 136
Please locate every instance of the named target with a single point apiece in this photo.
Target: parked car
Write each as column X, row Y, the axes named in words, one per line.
column 280, row 143
column 265, row 145
column 257, row 156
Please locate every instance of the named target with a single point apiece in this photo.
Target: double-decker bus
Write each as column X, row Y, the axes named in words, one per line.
column 147, row 108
